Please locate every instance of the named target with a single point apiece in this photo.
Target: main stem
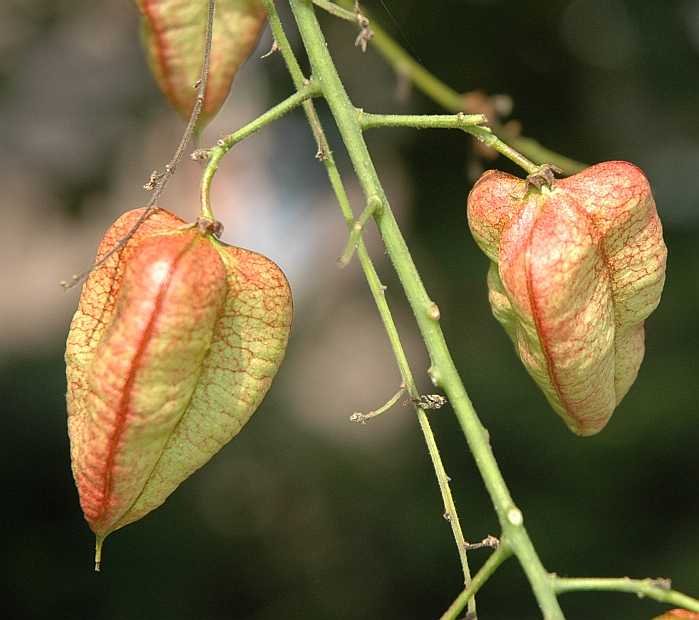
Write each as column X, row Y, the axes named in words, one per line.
column 443, row 371
column 377, row 289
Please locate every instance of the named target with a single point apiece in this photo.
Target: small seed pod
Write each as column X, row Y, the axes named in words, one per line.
column 175, row 342
column 575, row 270
column 173, row 38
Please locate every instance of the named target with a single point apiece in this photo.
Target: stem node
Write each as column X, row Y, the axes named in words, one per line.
column 433, row 312
column 515, row 516
column 435, row 376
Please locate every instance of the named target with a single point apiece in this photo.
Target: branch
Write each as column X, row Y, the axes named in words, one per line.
column 421, row 121
column 501, row 553
column 373, row 205
column 470, row 123
column 377, row 290
column 443, row 371
column 158, row 180
column 658, row 589
column 308, row 89
column 406, row 66
column 336, row 10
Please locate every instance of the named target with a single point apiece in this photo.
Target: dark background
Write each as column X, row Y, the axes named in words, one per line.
column 305, row 515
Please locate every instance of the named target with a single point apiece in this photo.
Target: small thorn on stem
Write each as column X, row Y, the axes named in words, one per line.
column 515, row 517
column 433, row 312
column 435, row 376
column 272, row 50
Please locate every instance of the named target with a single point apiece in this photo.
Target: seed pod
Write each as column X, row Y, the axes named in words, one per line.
column 175, row 342
column 575, row 270
column 173, row 38
column 678, row 614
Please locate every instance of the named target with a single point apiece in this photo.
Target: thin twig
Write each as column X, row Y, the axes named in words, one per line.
column 360, row 417
column 473, row 124
column 158, row 180
column 489, row 542
column 501, row 553
column 214, row 155
column 487, row 136
column 337, row 11
column 444, row 372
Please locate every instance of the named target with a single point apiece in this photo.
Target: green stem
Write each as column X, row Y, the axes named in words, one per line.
column 356, row 230
column 658, row 589
column 496, row 558
column 377, row 290
column 443, row 371
column 308, row 89
column 421, row 121
column 336, row 10
column 485, row 135
column 470, row 123
column 405, row 65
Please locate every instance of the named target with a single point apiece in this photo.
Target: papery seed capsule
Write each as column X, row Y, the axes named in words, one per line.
column 173, row 38
column 575, row 270
column 174, row 344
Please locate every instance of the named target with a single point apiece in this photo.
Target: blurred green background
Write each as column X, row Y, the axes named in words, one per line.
column 305, row 515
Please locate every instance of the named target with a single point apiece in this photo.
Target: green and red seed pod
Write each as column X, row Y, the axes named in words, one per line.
column 575, row 270
column 174, row 344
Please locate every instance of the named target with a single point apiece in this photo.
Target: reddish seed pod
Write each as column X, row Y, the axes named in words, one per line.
column 173, row 38
column 175, row 342
column 575, row 271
